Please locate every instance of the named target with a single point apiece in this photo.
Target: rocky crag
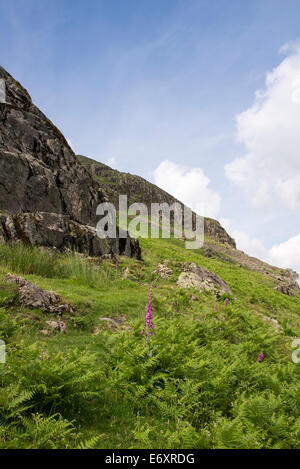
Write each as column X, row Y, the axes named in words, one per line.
column 47, row 197
column 218, row 243
column 137, row 189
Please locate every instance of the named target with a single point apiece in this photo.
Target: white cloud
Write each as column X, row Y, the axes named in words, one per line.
column 269, row 130
column 290, row 191
column 287, row 254
column 190, row 186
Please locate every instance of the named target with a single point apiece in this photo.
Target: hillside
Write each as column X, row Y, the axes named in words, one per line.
column 218, row 371
column 218, row 243
column 197, row 384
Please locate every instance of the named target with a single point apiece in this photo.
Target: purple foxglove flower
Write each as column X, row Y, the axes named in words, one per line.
column 148, row 327
column 261, row 357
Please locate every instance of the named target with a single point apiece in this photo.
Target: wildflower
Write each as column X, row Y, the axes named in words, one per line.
column 261, row 357
column 216, row 308
column 226, row 302
column 148, row 327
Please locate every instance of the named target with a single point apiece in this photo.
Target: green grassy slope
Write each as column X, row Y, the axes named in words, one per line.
column 197, row 384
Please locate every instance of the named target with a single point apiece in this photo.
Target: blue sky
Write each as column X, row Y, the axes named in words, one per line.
column 155, row 88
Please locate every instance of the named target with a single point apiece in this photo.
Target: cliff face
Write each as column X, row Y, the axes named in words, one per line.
column 138, row 189
column 46, row 196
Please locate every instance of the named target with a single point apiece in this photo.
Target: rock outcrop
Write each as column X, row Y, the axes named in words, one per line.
column 162, row 270
column 286, row 289
column 46, row 196
column 61, row 232
column 195, row 276
column 35, row 297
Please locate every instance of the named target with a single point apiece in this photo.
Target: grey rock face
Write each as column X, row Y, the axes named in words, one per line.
column 40, row 175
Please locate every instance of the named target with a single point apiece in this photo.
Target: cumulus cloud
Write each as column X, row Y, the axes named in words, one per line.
column 269, row 130
column 190, row 186
column 287, row 254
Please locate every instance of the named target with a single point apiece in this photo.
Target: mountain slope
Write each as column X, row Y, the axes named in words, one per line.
column 218, row 243
column 196, row 384
column 137, row 189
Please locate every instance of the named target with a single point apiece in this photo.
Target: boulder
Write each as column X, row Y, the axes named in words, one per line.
column 195, row 276
column 57, row 325
column 115, row 321
column 36, row 297
column 162, row 270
